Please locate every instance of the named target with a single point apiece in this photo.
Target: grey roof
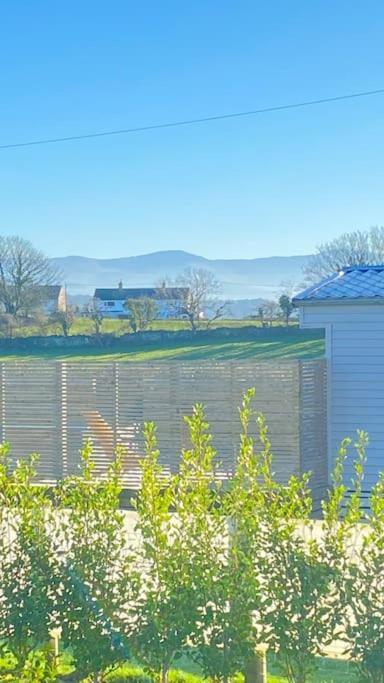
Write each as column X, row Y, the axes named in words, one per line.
column 124, row 293
column 354, row 282
column 48, row 292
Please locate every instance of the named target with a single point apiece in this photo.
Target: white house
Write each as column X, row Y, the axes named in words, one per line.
column 350, row 307
column 111, row 301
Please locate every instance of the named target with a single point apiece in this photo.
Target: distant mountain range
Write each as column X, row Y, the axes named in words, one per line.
column 240, row 278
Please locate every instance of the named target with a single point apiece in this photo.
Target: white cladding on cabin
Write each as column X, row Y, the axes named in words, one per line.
column 350, row 307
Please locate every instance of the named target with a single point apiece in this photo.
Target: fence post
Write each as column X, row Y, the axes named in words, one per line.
column 63, row 416
column 256, row 668
column 2, row 402
column 116, row 426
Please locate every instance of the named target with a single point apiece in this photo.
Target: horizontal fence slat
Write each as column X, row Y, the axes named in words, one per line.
column 53, row 407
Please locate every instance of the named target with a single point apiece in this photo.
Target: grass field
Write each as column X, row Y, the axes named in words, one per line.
column 279, row 344
column 118, row 327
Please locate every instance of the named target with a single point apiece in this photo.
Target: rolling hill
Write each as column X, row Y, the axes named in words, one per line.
column 240, row 278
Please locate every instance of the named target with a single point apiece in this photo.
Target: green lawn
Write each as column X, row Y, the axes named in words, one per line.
column 330, row 671
column 279, row 344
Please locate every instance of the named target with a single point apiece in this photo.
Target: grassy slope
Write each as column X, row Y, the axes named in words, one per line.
column 276, row 345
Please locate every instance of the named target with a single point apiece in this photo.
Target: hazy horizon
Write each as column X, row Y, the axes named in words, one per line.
column 177, row 251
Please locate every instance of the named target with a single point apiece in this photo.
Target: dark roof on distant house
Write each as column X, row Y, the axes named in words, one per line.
column 49, row 292
column 123, row 293
column 349, row 284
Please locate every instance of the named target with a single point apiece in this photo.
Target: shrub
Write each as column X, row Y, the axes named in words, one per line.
column 225, row 636
column 91, row 537
column 305, row 571
column 165, row 600
column 203, row 540
column 365, row 596
column 28, row 569
column 217, row 570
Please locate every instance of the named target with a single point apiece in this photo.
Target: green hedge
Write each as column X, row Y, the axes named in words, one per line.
column 215, row 572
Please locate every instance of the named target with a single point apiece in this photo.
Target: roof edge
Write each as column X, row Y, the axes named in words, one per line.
column 347, row 302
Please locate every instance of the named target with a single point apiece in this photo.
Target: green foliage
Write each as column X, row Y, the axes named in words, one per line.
column 306, row 570
column 286, row 307
column 204, row 541
column 226, row 639
column 90, row 537
column 215, row 572
column 165, row 597
column 365, row 595
column 141, row 313
column 283, row 571
column 28, row 567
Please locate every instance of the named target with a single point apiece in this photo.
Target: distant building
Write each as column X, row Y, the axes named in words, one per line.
column 111, row 302
column 52, row 298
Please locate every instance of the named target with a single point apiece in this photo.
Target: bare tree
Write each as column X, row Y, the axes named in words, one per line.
column 357, row 248
column 7, row 325
column 64, row 319
column 23, row 272
column 194, row 296
column 93, row 311
column 271, row 310
column 141, row 312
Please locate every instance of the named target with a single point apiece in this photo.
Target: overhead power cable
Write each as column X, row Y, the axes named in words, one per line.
column 189, row 122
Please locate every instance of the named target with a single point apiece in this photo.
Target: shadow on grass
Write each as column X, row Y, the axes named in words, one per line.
column 274, row 347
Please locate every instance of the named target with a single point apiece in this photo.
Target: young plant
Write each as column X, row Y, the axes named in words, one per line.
column 365, row 595
column 165, row 595
column 306, row 571
column 226, row 640
column 219, row 633
column 279, row 571
column 91, row 537
column 28, row 570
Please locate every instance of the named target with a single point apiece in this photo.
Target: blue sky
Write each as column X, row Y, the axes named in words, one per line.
column 271, row 184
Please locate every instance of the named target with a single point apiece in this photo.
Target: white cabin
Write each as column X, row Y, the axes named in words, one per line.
column 350, row 307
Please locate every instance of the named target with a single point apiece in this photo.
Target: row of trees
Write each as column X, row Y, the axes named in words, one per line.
column 25, row 271
column 215, row 572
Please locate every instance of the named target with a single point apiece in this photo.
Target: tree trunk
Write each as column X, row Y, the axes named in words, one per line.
column 164, row 674
column 256, row 668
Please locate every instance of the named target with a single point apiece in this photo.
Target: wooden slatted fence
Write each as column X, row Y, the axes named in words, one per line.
column 51, row 407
